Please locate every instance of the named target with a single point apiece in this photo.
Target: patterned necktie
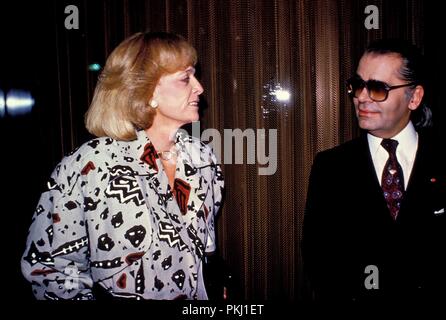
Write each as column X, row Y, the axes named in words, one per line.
column 392, row 181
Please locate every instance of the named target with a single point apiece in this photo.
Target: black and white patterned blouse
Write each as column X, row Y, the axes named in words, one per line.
column 109, row 216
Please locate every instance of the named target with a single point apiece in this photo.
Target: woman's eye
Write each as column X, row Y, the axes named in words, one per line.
column 186, row 80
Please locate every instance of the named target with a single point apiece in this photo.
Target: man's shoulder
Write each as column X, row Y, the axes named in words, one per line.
column 344, row 149
column 432, row 138
column 431, row 147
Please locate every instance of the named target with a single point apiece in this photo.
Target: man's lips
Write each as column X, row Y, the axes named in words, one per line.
column 366, row 113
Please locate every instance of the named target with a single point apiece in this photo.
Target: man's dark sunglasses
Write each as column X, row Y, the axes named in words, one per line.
column 378, row 91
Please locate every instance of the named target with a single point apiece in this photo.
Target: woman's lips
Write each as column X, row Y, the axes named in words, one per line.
column 193, row 104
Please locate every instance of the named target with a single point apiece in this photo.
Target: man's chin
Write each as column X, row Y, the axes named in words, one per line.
column 365, row 125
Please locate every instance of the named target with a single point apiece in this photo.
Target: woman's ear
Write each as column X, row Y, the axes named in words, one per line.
column 416, row 98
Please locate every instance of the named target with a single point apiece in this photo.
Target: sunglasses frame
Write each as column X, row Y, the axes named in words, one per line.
column 366, row 84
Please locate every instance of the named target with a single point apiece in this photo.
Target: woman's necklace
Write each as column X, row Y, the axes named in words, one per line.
column 169, row 154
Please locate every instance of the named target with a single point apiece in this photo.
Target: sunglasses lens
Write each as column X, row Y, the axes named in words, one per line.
column 355, row 86
column 377, row 90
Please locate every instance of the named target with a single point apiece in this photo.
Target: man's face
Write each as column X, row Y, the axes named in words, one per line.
column 386, row 118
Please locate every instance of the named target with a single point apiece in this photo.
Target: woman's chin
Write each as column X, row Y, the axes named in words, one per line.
column 195, row 117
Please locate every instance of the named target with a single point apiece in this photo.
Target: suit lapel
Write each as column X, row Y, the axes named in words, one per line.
column 419, row 178
column 419, row 166
column 374, row 185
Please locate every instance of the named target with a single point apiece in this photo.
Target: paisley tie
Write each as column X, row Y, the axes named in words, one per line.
column 392, row 181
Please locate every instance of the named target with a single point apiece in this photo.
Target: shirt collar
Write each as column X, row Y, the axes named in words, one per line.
column 181, row 138
column 190, row 150
column 407, row 141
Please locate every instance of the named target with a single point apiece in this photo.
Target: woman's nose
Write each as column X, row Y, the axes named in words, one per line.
column 197, row 87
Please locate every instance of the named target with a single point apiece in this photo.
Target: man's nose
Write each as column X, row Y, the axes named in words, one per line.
column 364, row 95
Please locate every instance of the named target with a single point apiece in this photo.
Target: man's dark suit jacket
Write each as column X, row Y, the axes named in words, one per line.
column 347, row 226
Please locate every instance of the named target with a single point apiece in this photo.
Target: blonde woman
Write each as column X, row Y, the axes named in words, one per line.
column 131, row 213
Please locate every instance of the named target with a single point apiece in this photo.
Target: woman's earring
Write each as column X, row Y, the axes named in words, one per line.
column 153, row 103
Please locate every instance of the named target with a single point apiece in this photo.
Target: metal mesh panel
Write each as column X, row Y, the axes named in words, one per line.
column 308, row 47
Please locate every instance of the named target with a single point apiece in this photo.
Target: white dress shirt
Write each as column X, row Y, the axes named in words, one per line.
column 405, row 152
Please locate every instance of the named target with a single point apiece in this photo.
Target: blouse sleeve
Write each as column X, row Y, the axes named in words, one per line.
column 218, row 185
column 217, row 195
column 56, row 258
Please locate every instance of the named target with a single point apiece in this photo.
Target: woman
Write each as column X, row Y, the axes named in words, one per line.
column 131, row 212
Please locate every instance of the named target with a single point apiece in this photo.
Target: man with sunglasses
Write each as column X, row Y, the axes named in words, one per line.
column 374, row 226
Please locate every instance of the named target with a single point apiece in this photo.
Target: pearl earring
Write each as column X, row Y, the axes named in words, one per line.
column 153, row 103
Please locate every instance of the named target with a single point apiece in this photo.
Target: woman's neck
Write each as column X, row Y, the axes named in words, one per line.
column 162, row 137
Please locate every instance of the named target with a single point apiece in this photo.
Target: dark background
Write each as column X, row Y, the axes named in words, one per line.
column 309, row 46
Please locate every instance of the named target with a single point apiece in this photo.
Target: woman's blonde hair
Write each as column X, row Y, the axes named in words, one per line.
column 126, row 85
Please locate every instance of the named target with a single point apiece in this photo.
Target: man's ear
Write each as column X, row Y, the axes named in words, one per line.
column 416, row 98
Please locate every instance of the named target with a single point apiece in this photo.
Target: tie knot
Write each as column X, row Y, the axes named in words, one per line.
column 390, row 145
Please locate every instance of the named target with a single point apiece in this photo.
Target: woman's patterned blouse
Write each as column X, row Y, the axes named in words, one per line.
column 110, row 217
